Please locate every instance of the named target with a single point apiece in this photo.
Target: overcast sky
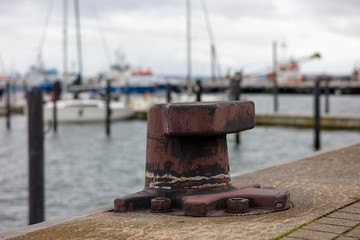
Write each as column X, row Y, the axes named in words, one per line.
column 152, row 33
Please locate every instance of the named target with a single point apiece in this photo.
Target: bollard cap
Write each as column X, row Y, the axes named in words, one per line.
column 208, row 118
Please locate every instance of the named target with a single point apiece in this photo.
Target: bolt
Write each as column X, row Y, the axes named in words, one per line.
column 160, row 204
column 237, row 205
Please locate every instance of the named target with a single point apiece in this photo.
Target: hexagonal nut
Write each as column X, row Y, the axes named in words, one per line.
column 237, row 205
column 160, row 204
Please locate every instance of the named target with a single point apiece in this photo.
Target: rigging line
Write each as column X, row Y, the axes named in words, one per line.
column 102, row 35
column 211, row 35
column 207, row 20
column 45, row 27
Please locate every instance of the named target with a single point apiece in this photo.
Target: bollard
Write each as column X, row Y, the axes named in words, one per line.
column 327, row 92
column 168, row 92
column 8, row 106
column 108, row 110
column 56, row 92
column 187, row 162
column 317, row 114
column 36, row 157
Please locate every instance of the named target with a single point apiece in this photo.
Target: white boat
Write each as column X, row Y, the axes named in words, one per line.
column 86, row 110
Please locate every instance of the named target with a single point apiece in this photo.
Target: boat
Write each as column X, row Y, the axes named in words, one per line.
column 86, row 111
column 134, row 80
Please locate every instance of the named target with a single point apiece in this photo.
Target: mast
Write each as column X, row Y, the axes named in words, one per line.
column 188, row 38
column 78, row 37
column 65, row 70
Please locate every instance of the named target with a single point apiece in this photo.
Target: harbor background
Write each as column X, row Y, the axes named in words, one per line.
column 86, row 169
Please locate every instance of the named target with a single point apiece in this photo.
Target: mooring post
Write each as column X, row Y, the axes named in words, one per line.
column 108, row 110
column 187, row 165
column 199, row 90
column 36, row 157
column 327, row 92
column 168, row 92
column 8, row 106
column 317, row 114
column 56, row 95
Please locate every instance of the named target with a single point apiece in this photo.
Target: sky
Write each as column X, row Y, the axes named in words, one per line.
column 152, row 34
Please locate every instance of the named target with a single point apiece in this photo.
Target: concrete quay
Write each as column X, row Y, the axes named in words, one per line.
column 325, row 193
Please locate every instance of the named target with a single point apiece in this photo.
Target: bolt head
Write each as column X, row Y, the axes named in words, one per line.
column 237, row 205
column 160, row 204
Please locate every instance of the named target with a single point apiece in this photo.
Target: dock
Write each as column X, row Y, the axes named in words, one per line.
column 17, row 109
column 335, row 87
column 328, row 121
column 303, row 120
column 325, row 194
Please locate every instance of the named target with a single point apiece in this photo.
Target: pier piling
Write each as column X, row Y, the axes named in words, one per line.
column 8, row 106
column 276, row 90
column 56, row 91
column 198, row 90
column 317, row 114
column 108, row 110
column 168, row 93
column 36, row 157
column 235, row 95
column 327, row 92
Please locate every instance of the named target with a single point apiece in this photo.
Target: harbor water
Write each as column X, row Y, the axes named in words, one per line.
column 84, row 169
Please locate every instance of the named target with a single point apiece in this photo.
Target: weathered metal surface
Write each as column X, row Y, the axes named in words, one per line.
column 237, row 205
column 160, row 204
column 187, row 162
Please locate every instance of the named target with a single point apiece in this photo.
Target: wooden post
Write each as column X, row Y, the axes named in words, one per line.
column 327, row 92
column 276, row 90
column 168, row 92
column 8, row 106
column 36, row 157
column 317, row 114
column 199, row 90
column 237, row 94
column 108, row 110
column 56, row 95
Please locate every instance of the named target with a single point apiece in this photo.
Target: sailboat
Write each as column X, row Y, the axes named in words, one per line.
column 87, row 111
column 83, row 110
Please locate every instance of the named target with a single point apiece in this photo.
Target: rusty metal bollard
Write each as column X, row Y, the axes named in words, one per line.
column 187, row 162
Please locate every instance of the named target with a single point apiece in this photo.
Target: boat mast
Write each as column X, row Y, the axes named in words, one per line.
column 43, row 35
column 65, row 70
column 78, row 37
column 188, row 38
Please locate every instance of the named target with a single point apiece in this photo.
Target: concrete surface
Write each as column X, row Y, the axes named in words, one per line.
column 325, row 189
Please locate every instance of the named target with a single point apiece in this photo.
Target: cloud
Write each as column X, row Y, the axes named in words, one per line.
column 153, row 33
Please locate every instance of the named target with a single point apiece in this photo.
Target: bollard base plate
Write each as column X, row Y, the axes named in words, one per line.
column 208, row 203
